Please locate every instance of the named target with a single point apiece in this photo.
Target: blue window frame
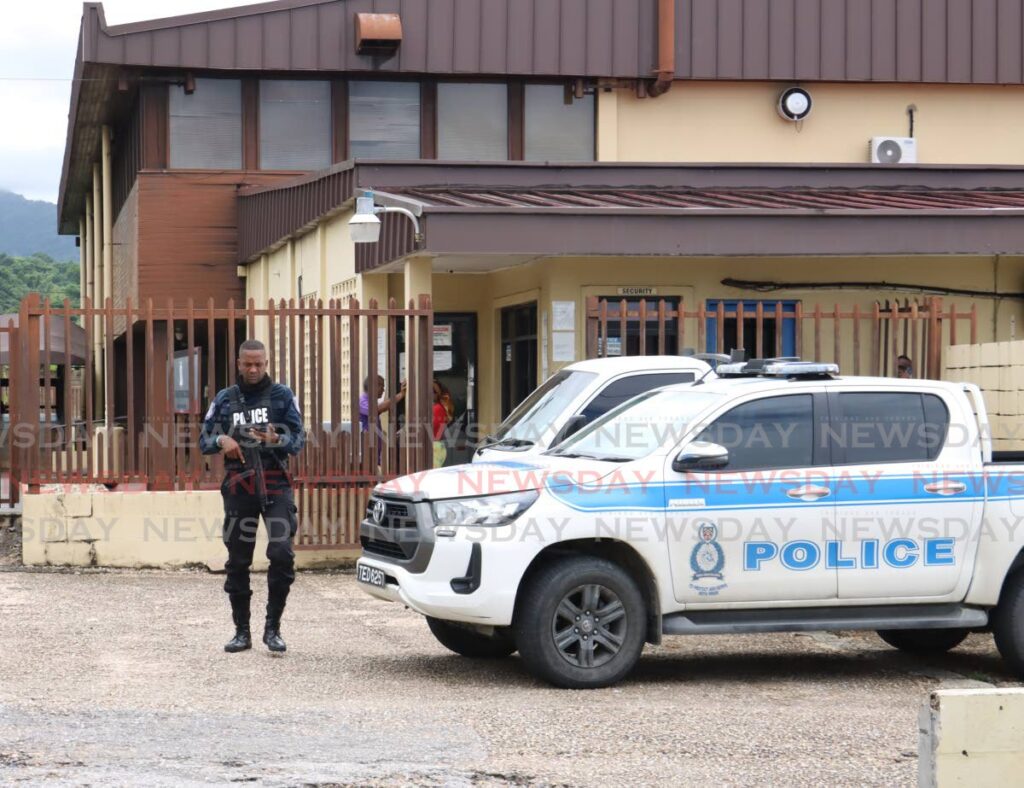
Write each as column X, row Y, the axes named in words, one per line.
column 729, row 340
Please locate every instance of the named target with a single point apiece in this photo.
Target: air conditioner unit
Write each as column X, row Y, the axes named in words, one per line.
column 893, row 150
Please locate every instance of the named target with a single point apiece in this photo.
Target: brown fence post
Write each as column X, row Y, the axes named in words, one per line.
column 591, row 315
column 28, row 401
column 935, row 338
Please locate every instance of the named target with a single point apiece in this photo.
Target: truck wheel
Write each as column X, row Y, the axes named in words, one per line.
column 581, row 623
column 1008, row 623
column 468, row 643
column 923, row 641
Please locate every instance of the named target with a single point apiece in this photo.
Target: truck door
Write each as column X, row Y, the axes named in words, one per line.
column 908, row 505
column 752, row 531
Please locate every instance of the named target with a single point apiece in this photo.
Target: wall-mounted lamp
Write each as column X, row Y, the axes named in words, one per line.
column 364, row 226
column 794, row 104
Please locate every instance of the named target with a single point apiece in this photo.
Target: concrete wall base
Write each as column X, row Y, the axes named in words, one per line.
column 971, row 737
column 90, row 526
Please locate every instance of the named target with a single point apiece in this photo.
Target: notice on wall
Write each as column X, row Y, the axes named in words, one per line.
column 563, row 315
column 443, row 335
column 563, row 346
column 442, row 360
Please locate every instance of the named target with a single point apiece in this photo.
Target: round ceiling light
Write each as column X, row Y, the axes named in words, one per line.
column 795, row 104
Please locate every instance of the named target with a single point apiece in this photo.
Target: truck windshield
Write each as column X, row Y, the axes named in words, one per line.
column 537, row 412
column 637, row 427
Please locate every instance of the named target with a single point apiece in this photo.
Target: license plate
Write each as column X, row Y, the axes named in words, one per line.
column 370, row 575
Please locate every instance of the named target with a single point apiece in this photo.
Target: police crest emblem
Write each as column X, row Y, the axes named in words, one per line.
column 707, row 558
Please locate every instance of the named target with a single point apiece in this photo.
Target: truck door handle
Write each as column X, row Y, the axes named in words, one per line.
column 945, row 488
column 809, row 492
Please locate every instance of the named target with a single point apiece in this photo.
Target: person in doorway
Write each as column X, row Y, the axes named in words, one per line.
column 904, row 367
column 442, row 415
column 383, row 404
column 256, row 425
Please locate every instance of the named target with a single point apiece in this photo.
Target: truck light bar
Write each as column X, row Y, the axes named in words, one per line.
column 777, row 368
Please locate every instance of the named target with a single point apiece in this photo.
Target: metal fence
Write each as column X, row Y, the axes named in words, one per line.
column 862, row 340
column 149, row 373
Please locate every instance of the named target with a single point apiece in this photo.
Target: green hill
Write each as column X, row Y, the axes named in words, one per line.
column 30, row 226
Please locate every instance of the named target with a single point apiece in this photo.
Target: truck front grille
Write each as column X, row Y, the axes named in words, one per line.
column 391, row 531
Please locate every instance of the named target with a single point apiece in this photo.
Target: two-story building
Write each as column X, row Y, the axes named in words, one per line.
column 835, row 154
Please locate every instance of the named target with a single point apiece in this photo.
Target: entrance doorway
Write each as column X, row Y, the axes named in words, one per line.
column 518, row 354
column 455, row 365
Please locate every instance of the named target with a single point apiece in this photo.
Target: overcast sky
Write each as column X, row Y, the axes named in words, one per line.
column 37, row 58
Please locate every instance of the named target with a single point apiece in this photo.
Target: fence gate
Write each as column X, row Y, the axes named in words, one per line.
column 862, row 340
column 8, row 361
column 148, row 374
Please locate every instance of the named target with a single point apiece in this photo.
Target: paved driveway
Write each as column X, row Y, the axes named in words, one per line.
column 119, row 677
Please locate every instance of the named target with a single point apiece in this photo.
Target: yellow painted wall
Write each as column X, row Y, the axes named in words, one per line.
column 738, row 122
column 695, row 280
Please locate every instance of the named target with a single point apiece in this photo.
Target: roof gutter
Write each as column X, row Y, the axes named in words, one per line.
column 666, row 49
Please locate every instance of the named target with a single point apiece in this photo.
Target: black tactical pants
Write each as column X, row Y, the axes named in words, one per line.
column 242, row 511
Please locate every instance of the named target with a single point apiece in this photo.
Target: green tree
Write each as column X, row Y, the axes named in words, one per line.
column 37, row 273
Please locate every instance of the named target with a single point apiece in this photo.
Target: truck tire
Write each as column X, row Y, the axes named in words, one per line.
column 923, row 641
column 467, row 643
column 581, row 623
column 1008, row 623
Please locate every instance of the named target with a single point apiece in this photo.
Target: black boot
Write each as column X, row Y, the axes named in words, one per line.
column 272, row 630
column 240, row 613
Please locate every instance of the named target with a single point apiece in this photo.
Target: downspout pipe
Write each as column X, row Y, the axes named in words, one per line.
column 666, row 49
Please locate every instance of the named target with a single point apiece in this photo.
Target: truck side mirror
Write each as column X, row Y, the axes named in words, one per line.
column 701, row 456
column 571, row 427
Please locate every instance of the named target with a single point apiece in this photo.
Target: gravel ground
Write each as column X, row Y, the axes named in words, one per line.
column 119, row 677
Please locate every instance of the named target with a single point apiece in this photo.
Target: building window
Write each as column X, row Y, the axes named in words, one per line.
column 295, row 124
column 770, row 339
column 630, row 344
column 554, row 130
column 472, row 121
column 384, row 120
column 206, row 125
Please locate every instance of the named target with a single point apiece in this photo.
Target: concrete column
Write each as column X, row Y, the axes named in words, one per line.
column 82, row 249
column 87, row 247
column 418, row 276
column 97, row 290
column 417, row 281
column 108, row 247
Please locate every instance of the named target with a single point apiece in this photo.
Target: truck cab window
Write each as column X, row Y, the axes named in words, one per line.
column 775, row 432
column 881, row 427
column 618, row 391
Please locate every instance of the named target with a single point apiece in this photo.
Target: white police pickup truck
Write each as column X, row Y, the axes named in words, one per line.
column 778, row 497
column 581, row 393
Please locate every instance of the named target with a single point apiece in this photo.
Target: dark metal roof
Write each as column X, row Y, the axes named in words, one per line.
column 604, row 209
column 971, row 41
column 522, row 37
column 819, row 200
column 938, row 41
column 965, row 41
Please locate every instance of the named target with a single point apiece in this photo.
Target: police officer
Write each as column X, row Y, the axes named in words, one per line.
column 256, row 425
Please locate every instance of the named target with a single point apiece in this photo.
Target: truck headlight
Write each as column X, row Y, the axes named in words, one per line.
column 485, row 510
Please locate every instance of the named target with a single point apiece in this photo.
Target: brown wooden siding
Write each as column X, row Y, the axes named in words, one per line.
column 188, row 234
column 154, row 102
